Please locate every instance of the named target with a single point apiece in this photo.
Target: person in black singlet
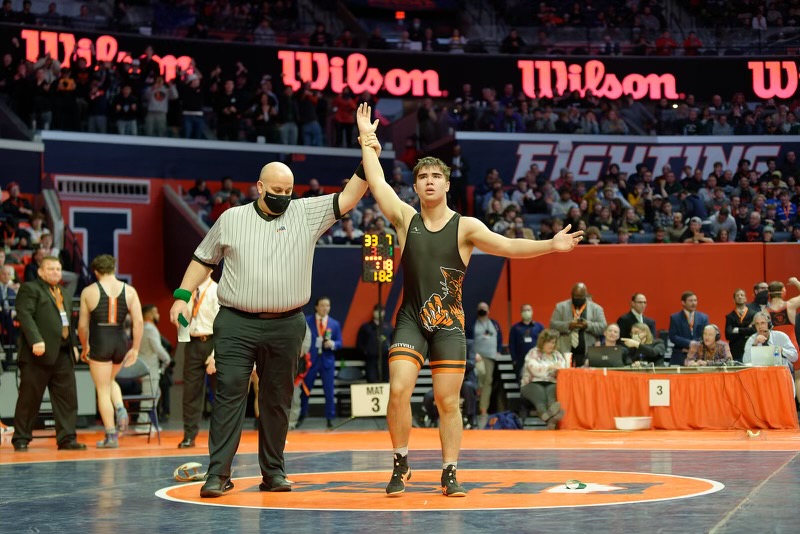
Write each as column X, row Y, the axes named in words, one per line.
column 108, row 338
column 104, row 306
column 784, row 316
column 436, row 246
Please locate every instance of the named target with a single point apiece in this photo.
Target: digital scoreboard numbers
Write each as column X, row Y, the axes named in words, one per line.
column 378, row 255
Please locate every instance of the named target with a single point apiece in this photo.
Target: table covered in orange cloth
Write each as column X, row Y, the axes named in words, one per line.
column 727, row 399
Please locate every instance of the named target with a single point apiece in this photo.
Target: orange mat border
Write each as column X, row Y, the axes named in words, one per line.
column 44, row 450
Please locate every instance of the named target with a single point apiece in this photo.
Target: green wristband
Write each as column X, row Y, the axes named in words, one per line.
column 360, row 171
column 182, row 294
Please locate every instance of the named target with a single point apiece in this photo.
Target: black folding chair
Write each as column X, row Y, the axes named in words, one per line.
column 139, row 372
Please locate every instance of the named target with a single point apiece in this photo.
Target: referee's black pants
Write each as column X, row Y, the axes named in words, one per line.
column 274, row 346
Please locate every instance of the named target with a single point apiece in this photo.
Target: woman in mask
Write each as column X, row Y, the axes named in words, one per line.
column 643, row 349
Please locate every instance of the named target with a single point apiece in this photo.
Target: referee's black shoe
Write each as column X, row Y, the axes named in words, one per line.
column 450, row 486
column 400, row 474
column 274, row 483
column 215, row 486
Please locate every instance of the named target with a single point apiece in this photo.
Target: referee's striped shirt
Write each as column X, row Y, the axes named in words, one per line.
column 268, row 259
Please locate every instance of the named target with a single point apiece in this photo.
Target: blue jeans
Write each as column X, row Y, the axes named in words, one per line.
column 312, row 134
column 127, row 127
column 193, row 126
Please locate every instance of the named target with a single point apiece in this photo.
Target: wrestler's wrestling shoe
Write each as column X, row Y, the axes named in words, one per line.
column 110, row 442
column 400, row 474
column 122, row 419
column 450, row 486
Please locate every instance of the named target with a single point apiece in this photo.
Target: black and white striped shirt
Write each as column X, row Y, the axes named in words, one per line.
column 268, row 259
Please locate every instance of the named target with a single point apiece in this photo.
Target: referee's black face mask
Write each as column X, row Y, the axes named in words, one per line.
column 276, row 204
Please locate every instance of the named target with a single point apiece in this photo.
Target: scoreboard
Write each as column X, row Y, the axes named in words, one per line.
column 378, row 255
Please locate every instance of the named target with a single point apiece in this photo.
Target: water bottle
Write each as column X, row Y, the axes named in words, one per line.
column 776, row 356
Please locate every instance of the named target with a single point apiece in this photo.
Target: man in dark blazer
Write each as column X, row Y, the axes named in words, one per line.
column 47, row 356
column 580, row 323
column 685, row 326
column 636, row 315
column 739, row 324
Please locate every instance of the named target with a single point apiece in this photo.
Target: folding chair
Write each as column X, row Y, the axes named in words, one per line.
column 139, row 372
column 349, row 371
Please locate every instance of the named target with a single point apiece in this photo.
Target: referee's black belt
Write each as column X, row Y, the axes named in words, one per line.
column 202, row 337
column 265, row 315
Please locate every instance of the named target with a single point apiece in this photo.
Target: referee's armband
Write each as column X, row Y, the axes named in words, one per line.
column 182, row 294
column 360, row 171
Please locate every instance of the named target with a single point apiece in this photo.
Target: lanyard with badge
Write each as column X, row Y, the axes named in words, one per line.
column 59, row 298
column 198, row 301
column 527, row 337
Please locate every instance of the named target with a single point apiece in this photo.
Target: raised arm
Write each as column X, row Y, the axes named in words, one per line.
column 478, row 235
column 395, row 209
column 352, row 193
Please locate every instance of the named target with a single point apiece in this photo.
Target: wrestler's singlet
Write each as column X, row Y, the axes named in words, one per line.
column 106, row 327
column 433, row 273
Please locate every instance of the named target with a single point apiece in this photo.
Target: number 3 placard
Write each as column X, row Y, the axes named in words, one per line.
column 369, row 400
column 659, row 392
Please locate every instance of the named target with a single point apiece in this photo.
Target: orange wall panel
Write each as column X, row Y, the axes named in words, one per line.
column 781, row 262
column 662, row 272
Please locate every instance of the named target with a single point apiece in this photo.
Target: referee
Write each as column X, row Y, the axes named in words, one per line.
column 268, row 249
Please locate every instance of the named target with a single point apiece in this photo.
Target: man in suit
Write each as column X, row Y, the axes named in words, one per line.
column 738, row 324
column 580, row 323
column 636, row 315
column 686, row 326
column 47, row 355
column 326, row 339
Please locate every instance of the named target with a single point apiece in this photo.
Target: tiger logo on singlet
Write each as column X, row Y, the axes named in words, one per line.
column 445, row 312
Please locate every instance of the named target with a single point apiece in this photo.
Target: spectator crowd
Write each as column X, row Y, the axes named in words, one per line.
column 650, row 206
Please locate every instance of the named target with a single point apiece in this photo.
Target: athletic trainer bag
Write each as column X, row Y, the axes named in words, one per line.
column 504, row 421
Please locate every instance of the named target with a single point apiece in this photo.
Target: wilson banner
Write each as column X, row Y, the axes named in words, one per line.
column 417, row 74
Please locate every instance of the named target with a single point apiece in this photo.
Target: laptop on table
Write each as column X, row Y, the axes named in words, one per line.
column 605, row 356
column 763, row 356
